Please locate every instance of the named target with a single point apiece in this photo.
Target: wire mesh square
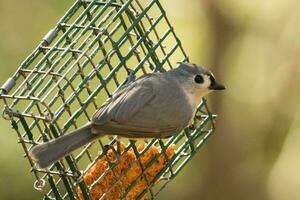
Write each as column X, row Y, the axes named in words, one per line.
column 80, row 63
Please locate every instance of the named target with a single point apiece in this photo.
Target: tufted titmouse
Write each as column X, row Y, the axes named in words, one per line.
column 156, row 105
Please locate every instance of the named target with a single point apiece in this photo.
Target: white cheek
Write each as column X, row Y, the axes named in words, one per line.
column 195, row 93
column 206, row 82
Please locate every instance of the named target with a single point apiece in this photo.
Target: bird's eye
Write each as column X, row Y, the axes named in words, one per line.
column 199, row 79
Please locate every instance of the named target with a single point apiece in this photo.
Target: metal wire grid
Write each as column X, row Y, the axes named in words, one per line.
column 80, row 63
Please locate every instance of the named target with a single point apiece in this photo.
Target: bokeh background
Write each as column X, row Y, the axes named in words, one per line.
column 251, row 46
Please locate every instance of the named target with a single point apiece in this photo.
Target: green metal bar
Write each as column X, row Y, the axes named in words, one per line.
column 35, row 77
column 170, row 53
column 73, row 168
column 23, row 122
column 81, row 184
column 46, row 57
column 54, row 188
column 146, row 43
column 46, row 198
column 188, row 159
column 63, row 54
column 77, row 113
column 73, row 77
column 31, row 57
column 66, row 182
column 54, row 78
column 63, row 75
column 102, row 3
column 169, row 24
column 179, row 150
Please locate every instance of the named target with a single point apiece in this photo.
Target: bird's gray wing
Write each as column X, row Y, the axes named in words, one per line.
column 116, row 115
column 125, row 103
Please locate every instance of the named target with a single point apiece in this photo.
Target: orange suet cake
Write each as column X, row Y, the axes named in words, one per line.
column 112, row 182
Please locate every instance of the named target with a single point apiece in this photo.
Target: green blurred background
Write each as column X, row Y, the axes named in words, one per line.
column 251, row 46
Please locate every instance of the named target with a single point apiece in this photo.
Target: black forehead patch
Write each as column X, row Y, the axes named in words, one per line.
column 212, row 78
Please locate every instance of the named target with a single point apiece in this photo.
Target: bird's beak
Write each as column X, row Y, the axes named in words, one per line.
column 217, row 86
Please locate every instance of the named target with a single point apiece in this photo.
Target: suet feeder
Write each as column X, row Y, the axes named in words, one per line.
column 95, row 48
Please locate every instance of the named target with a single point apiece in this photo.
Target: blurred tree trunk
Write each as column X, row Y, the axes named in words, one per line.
column 225, row 178
column 221, row 181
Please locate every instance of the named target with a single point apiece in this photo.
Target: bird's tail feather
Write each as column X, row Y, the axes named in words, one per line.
column 47, row 153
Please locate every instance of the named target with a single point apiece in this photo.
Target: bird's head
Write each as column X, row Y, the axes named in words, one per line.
column 197, row 81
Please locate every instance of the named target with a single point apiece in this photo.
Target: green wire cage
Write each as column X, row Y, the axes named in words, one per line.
column 95, row 48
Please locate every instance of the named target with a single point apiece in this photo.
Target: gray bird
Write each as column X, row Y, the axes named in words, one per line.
column 156, row 105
